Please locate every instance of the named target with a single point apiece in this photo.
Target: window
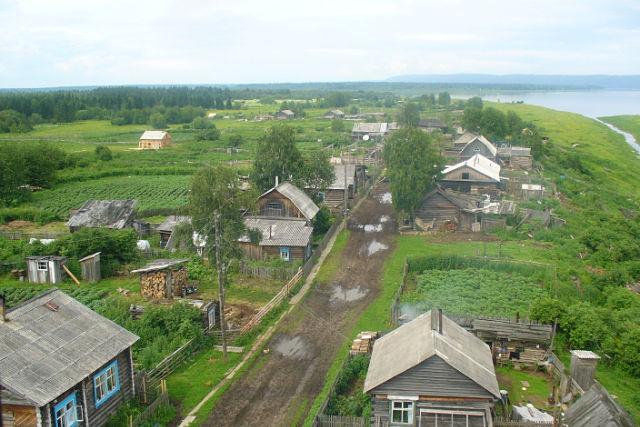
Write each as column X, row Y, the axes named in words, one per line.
column 284, row 253
column 476, row 149
column 106, row 383
column 451, row 418
column 65, row 413
column 43, row 265
column 465, row 175
column 402, row 412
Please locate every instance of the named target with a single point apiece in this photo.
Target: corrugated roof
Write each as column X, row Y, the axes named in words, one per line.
column 160, row 264
column 172, row 221
column 597, row 408
column 279, row 231
column 45, row 352
column 370, row 127
column 298, row 197
column 415, row 341
column 480, row 164
column 153, row 134
column 103, row 213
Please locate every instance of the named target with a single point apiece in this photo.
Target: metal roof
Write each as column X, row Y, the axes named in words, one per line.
column 103, row 213
column 532, row 187
column 597, row 408
column 172, row 221
column 279, row 231
column 52, row 342
column 370, row 127
column 416, row 341
column 153, row 134
column 298, row 197
column 480, row 164
column 160, row 264
column 584, row 354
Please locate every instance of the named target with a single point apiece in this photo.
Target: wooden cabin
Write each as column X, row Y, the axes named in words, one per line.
column 516, row 157
column 287, row 200
column 163, row 278
column 372, row 131
column 284, row 238
column 532, row 192
column 154, row 140
column 114, row 214
column 90, row 268
column 62, row 364
column 333, row 195
column 167, row 228
column 477, row 175
column 597, row 408
column 46, row 269
column 431, row 371
column 450, row 209
column 285, row 115
column 334, row 114
column 479, row 145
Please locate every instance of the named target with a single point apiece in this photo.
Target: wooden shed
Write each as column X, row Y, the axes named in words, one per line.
column 532, row 191
column 46, row 269
column 583, row 367
column 163, row 278
column 90, row 268
column 516, row 157
column 285, row 115
column 154, row 140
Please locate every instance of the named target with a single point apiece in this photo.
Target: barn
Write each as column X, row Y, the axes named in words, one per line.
column 287, row 200
column 477, row 175
column 373, row 131
column 154, row 140
column 442, row 207
column 285, row 115
column 334, row 114
column 286, row 238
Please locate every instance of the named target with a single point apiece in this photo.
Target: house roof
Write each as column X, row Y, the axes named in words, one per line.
column 597, row 408
column 464, row 201
column 369, row 127
column 160, row 264
column 416, row 341
column 480, row 164
column 432, row 123
column 298, row 197
column 279, row 231
column 172, row 221
column 338, row 170
column 492, row 148
column 52, row 342
column 103, row 213
column 47, row 257
column 464, row 139
column 524, row 331
column 287, row 112
column 514, row 151
column 334, row 113
column 153, row 134
column 532, row 187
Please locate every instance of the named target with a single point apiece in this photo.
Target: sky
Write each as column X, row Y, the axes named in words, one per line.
column 46, row 43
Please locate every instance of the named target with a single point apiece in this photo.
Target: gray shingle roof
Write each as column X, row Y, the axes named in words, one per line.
column 172, row 221
column 597, row 408
column 415, row 341
column 103, row 213
column 338, row 170
column 44, row 352
column 279, row 231
column 298, row 197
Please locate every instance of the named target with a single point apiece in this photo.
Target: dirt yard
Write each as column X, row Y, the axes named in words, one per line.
column 282, row 384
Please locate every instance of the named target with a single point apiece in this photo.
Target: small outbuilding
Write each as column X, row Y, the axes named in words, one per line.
column 287, row 200
column 46, row 269
column 154, row 140
column 373, row 131
column 334, row 114
column 597, row 408
column 516, row 157
column 286, row 238
column 532, row 191
column 432, row 125
column 167, row 228
column 90, row 268
column 163, row 278
column 114, row 214
column 285, row 115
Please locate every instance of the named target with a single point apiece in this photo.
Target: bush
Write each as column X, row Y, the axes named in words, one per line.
column 358, row 403
column 103, row 153
column 322, row 221
column 212, row 134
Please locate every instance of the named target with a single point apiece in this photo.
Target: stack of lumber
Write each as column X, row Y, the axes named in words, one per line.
column 532, row 356
column 363, row 344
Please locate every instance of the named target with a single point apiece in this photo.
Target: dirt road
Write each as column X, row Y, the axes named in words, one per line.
column 280, row 387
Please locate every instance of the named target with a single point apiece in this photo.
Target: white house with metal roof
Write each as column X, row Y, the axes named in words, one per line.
column 62, row 364
column 154, row 140
column 475, row 175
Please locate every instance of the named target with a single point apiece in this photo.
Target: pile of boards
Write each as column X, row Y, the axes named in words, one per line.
column 363, row 343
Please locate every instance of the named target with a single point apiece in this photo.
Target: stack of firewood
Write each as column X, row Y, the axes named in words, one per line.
column 363, row 344
column 153, row 285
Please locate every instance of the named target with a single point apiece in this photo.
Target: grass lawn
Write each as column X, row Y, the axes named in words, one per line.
column 537, row 393
column 630, row 124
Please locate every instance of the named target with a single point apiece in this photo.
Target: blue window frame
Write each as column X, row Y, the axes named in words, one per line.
column 106, row 383
column 284, row 253
column 65, row 412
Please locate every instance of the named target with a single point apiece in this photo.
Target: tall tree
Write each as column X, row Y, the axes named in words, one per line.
column 276, row 156
column 215, row 203
column 444, row 98
column 413, row 162
column 317, row 173
column 409, row 114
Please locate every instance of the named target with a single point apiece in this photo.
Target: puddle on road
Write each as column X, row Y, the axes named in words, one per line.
column 294, row 347
column 370, row 228
column 386, row 199
column 374, row 247
column 384, row 218
column 347, row 295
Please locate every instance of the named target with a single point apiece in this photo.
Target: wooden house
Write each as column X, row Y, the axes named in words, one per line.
column 431, row 371
column 168, row 226
column 62, row 364
column 476, row 144
column 115, row 214
column 432, row 125
column 597, row 408
column 285, row 115
column 163, row 278
column 371, row 131
column 347, row 176
column 286, row 238
column 532, row 192
column 519, row 342
column 477, row 175
column 90, row 268
column 287, row 200
column 334, row 114
column 448, row 208
column 154, row 140
column 46, row 269
column 516, row 157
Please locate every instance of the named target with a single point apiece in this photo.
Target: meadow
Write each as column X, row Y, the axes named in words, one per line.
column 630, row 124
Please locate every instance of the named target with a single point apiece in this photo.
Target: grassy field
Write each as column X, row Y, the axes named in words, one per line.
column 630, row 124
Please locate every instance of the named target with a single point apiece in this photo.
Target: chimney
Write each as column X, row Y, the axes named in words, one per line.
column 276, row 181
column 3, row 317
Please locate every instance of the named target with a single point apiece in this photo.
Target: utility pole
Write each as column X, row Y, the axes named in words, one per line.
column 221, row 275
column 345, row 188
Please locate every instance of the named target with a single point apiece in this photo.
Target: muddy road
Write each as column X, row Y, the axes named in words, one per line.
column 279, row 388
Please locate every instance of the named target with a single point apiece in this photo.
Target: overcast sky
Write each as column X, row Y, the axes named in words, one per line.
column 85, row 42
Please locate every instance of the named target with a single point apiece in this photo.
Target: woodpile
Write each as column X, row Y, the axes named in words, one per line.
column 180, row 279
column 154, row 285
column 363, row 344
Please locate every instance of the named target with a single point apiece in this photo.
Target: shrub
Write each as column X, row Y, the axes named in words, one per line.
column 103, row 153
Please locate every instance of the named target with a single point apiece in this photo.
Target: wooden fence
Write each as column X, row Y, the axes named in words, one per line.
column 264, row 272
column 19, row 235
column 338, row 421
column 151, row 379
column 150, row 411
column 395, row 305
column 505, row 422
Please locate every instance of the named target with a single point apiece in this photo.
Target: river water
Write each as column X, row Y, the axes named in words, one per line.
column 590, row 103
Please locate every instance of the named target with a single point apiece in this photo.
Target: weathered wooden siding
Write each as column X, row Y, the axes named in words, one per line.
column 470, row 150
column 288, row 208
column 433, row 377
column 381, row 411
column 266, row 252
column 437, row 207
column 52, row 275
column 18, row 416
column 91, row 269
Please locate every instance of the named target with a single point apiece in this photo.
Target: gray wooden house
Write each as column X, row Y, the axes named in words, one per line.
column 168, row 226
column 516, row 157
column 287, row 200
column 62, row 364
column 334, row 114
column 597, row 408
column 285, row 115
column 432, row 125
column 431, row 371
column 46, row 269
column 442, row 207
column 286, row 238
column 478, row 175
column 90, row 268
column 115, row 214
column 469, row 144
